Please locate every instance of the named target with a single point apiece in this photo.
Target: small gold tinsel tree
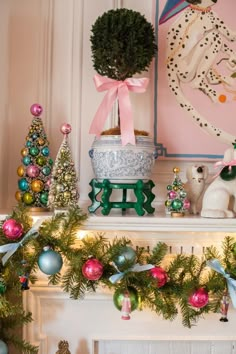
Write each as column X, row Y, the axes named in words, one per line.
column 63, row 191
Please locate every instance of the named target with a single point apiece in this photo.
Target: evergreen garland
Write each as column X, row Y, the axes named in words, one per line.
column 186, row 273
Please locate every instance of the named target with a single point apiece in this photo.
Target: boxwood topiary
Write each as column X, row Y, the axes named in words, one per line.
column 123, row 44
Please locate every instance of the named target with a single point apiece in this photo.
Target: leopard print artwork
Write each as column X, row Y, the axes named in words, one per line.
column 63, row 347
column 194, row 42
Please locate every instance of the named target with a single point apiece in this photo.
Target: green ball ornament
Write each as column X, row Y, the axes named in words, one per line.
column 41, row 160
column 49, row 262
column 169, row 187
column 44, row 198
column 34, row 151
column 126, row 257
column 177, row 204
column 119, row 295
column 3, row 347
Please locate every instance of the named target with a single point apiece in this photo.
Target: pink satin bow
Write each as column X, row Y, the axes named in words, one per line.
column 120, row 90
column 224, row 164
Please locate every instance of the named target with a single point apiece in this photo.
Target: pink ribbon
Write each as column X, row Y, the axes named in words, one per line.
column 224, row 164
column 120, row 90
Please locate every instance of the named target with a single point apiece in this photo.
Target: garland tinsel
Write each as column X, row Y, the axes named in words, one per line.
column 186, row 273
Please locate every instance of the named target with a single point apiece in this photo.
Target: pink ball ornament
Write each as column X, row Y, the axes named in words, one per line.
column 12, row 229
column 32, row 171
column 186, row 204
column 199, row 298
column 172, row 194
column 36, row 109
column 66, row 128
column 160, row 275
column 92, row 269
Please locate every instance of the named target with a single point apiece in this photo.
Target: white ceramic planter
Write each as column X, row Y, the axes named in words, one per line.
column 122, row 164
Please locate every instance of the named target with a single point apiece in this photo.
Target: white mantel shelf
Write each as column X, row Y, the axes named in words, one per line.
column 158, row 221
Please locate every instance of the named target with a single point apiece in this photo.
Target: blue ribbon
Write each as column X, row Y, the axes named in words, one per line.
column 11, row 248
column 136, row 268
column 231, row 283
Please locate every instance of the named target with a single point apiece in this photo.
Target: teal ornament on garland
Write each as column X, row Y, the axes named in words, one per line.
column 126, row 257
column 50, row 262
column 3, row 347
column 119, row 296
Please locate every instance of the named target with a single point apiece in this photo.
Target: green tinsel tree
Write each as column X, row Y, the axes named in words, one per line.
column 35, row 170
column 63, row 191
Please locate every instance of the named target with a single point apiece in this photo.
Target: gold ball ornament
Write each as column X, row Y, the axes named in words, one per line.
column 41, row 141
column 18, row 196
column 175, row 188
column 24, row 152
column 20, row 171
column 66, row 195
column 176, row 170
column 37, row 186
column 68, row 177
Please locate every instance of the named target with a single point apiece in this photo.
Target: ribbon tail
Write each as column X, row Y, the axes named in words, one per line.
column 232, row 291
column 126, row 116
column 102, row 112
column 216, row 266
column 116, row 277
column 141, row 268
column 11, row 250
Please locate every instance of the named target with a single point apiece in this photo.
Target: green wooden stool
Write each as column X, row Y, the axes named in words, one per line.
column 142, row 191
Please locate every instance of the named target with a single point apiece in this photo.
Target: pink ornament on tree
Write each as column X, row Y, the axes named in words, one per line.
column 199, row 298
column 12, row 229
column 160, row 275
column 36, row 109
column 32, row 171
column 66, row 128
column 92, row 269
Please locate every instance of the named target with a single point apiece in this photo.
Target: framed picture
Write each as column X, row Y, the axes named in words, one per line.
column 175, row 133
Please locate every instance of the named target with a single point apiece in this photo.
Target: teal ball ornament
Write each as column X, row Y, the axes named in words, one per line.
column 50, row 262
column 23, row 184
column 3, row 347
column 126, row 257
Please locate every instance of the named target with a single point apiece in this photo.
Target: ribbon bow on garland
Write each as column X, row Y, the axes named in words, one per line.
column 135, row 268
column 231, row 283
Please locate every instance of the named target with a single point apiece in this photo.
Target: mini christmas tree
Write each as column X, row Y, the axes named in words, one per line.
column 63, row 188
column 177, row 202
column 36, row 165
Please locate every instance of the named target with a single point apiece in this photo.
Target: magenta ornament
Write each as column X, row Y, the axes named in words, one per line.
column 186, row 204
column 92, row 269
column 12, row 229
column 172, row 194
column 199, row 298
column 36, row 109
column 32, row 171
column 160, row 275
column 66, row 128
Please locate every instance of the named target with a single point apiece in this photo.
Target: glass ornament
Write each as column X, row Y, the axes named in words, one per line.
column 119, row 296
column 18, row 196
column 177, row 204
column 92, row 269
column 41, row 160
column 34, row 151
column 20, row 171
column 44, row 198
column 28, row 198
column 41, row 141
column 37, row 185
column 24, row 152
column 45, row 151
column 32, row 171
column 126, row 256
column 3, row 347
column 36, row 109
column 23, row 184
column 12, row 229
column 3, row 287
column 160, row 275
column 49, row 261
column 199, row 298
column 46, row 170
column 26, row 160
column 65, row 128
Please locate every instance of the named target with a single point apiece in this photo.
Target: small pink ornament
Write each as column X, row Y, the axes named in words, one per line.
column 186, row 205
column 36, row 109
column 172, row 194
column 159, row 274
column 66, row 128
column 12, row 229
column 92, row 269
column 199, row 298
column 32, row 171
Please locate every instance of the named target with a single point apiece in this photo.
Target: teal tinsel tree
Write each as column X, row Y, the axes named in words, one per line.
column 63, row 191
column 35, row 170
